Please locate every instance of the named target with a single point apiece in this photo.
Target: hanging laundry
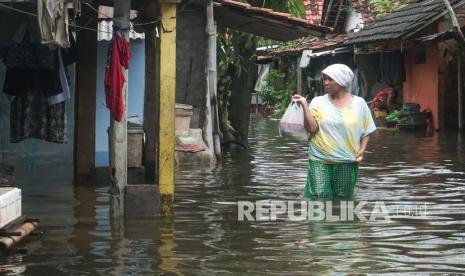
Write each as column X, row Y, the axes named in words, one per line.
column 31, row 67
column 392, row 70
column 65, row 95
column 77, row 5
column 118, row 55
column 36, row 77
column 32, row 117
column 52, row 17
column 66, row 56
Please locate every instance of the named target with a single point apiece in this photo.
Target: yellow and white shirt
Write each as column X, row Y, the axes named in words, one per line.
column 340, row 129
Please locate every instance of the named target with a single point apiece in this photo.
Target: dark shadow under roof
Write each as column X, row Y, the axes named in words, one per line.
column 404, row 23
column 264, row 22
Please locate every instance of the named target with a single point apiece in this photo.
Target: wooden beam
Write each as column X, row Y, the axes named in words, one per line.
column 85, row 105
column 151, row 103
column 299, row 79
column 338, row 13
column 166, row 110
column 328, row 10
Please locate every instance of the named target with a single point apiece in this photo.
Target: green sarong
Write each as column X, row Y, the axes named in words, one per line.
column 331, row 180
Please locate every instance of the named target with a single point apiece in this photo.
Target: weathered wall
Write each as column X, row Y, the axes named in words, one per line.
column 422, row 81
column 191, row 60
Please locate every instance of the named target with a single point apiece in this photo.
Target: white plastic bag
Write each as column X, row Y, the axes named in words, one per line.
column 292, row 123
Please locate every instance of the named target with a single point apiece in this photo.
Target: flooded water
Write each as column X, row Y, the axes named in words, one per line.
column 205, row 236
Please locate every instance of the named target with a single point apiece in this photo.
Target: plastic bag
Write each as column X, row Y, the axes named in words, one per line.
column 292, row 123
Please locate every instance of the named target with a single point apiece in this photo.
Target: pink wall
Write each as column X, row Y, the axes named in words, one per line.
column 422, row 81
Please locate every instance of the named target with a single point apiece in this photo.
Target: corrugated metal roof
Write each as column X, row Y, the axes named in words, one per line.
column 403, row 23
column 265, row 22
column 105, row 24
column 105, row 31
column 106, row 12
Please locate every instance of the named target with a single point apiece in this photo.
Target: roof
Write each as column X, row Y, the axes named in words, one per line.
column 316, row 44
column 265, row 22
column 313, row 10
column 404, row 23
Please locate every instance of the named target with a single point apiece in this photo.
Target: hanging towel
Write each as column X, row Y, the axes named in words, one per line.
column 118, row 55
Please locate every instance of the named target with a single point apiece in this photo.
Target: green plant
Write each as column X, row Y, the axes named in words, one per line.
column 235, row 49
column 292, row 44
column 279, row 88
column 383, row 7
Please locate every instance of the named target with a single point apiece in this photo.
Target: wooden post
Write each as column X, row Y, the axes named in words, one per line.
column 459, row 91
column 299, row 79
column 118, row 130
column 152, row 80
column 85, row 105
column 167, row 105
column 212, row 99
column 455, row 23
column 208, row 124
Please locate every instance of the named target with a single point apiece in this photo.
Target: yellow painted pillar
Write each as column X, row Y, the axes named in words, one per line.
column 167, row 105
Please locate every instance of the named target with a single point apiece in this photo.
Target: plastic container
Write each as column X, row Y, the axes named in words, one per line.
column 410, row 108
column 183, row 117
column 413, row 121
column 135, row 146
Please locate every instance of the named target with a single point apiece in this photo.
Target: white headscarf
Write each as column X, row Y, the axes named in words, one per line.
column 340, row 73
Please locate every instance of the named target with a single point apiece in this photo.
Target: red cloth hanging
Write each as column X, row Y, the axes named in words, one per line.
column 118, row 55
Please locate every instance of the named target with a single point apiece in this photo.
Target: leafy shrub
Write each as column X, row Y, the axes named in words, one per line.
column 278, row 89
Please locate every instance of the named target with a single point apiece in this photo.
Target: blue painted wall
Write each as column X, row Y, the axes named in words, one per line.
column 135, row 96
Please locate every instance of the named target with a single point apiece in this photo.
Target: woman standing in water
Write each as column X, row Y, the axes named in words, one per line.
column 340, row 125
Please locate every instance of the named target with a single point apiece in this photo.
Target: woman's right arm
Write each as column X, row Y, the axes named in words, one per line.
column 309, row 121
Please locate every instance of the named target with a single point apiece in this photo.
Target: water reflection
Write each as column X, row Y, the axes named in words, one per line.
column 167, row 248
column 205, row 236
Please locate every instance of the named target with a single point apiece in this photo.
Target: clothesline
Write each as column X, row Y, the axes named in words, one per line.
column 74, row 25
column 17, row 10
column 35, row 15
column 114, row 19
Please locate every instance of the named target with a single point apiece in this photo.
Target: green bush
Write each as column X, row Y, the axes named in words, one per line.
column 278, row 90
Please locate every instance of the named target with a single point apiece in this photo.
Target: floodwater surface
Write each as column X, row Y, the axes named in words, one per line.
column 401, row 171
